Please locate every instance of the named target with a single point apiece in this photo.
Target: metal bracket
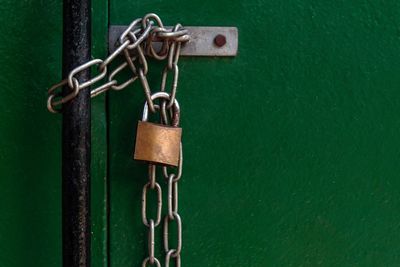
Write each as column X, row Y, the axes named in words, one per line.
column 204, row 41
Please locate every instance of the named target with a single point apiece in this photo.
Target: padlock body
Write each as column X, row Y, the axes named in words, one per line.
column 158, row 144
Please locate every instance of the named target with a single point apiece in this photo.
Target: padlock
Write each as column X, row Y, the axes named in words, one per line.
column 157, row 143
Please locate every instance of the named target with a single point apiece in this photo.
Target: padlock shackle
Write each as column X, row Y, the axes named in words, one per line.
column 166, row 96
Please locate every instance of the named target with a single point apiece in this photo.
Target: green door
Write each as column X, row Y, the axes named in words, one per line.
column 291, row 149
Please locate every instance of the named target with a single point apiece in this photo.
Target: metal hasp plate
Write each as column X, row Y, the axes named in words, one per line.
column 204, row 41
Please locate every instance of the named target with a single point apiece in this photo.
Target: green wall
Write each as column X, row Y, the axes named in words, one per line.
column 291, row 148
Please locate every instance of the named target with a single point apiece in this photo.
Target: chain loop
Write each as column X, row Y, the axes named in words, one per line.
column 146, row 260
column 131, row 28
column 170, row 255
column 173, row 55
column 141, row 57
column 144, row 203
column 172, row 196
column 162, row 54
column 51, row 104
column 83, row 67
column 176, row 218
column 178, row 174
column 147, row 19
column 151, row 242
column 175, row 70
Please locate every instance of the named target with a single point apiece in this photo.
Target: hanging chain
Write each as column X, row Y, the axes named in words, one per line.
column 134, row 44
column 169, row 115
column 172, row 177
column 151, row 224
column 136, row 40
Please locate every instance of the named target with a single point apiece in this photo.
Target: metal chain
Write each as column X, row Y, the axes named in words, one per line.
column 169, row 115
column 172, row 177
column 171, row 118
column 151, row 224
column 137, row 39
column 134, row 44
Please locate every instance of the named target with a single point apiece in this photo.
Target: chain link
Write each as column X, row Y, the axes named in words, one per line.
column 137, row 39
column 157, row 187
column 170, row 255
column 177, row 219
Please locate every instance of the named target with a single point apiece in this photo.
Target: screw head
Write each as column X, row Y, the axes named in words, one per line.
column 220, row 40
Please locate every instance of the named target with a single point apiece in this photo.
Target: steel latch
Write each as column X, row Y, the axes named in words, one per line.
column 204, row 41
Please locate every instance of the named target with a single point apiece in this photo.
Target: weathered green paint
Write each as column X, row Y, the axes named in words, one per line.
column 291, row 148
column 30, row 137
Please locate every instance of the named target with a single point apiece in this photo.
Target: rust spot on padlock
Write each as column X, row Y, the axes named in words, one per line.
column 158, row 143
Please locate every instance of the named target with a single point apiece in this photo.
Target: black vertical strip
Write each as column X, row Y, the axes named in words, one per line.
column 76, row 138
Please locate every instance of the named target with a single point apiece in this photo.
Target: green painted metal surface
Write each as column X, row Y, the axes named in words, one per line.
column 99, row 201
column 30, row 137
column 291, row 148
column 30, row 223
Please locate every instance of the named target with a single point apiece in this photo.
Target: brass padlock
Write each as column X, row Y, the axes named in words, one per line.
column 157, row 143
